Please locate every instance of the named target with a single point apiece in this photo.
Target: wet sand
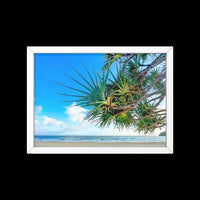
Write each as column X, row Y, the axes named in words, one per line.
column 99, row 144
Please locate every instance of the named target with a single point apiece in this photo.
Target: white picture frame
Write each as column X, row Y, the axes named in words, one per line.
column 31, row 149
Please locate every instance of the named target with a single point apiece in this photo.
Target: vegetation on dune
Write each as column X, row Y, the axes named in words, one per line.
column 162, row 133
column 129, row 96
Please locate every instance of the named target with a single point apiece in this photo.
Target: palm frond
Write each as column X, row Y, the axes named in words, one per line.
column 75, row 80
column 71, row 87
column 81, row 76
column 90, row 76
column 109, row 60
column 70, row 95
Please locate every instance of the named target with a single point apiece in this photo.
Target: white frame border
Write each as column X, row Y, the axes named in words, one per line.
column 98, row 150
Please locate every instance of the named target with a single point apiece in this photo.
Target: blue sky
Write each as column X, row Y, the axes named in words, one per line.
column 52, row 115
column 47, row 70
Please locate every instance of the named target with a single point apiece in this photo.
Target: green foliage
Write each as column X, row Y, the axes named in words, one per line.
column 109, row 60
column 123, row 120
column 119, row 98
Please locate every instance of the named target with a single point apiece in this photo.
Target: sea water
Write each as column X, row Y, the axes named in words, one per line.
column 73, row 138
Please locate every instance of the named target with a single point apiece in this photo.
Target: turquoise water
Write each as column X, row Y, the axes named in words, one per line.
column 72, row 138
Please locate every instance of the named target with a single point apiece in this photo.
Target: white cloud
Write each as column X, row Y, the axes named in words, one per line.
column 48, row 125
column 76, row 124
column 38, row 109
column 51, row 121
column 75, row 113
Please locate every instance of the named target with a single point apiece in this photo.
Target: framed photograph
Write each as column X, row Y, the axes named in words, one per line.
column 100, row 100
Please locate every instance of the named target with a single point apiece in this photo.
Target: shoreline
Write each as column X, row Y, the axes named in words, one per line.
column 99, row 144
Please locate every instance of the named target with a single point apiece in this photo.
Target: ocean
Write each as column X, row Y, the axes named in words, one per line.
column 73, row 138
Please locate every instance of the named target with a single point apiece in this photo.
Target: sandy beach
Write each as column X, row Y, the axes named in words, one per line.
column 99, row 144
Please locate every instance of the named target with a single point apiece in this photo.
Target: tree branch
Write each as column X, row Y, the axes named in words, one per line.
column 159, row 78
column 160, row 97
column 156, row 62
column 154, row 124
column 131, row 106
column 146, row 116
column 128, row 54
column 129, row 58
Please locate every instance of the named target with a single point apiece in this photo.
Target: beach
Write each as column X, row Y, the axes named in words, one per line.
column 99, row 144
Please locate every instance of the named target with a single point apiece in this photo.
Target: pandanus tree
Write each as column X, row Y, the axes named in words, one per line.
column 129, row 96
